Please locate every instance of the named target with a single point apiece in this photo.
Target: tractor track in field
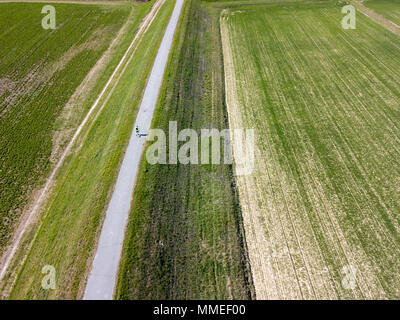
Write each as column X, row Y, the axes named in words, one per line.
column 89, row 119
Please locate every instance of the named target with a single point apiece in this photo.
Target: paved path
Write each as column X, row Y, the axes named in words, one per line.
column 103, row 275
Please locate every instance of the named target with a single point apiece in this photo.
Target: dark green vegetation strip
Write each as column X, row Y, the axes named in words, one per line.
column 39, row 71
column 185, row 238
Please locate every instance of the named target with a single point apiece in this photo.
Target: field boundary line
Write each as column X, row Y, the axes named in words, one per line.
column 148, row 19
column 386, row 23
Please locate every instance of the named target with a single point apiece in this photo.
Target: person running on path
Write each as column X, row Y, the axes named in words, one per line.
column 137, row 131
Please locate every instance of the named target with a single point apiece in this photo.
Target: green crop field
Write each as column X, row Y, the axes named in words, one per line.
column 318, row 217
column 323, row 199
column 66, row 234
column 39, row 72
column 390, row 9
column 185, row 237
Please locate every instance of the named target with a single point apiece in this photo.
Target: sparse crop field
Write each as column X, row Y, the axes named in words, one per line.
column 390, row 9
column 39, row 71
column 325, row 106
column 185, row 239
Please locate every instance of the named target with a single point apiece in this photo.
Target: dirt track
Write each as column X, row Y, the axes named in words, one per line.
column 89, row 119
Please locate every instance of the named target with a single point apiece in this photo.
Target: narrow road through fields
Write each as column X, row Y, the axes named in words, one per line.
column 103, row 275
column 390, row 25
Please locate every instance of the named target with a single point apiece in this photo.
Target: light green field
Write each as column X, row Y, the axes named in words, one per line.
column 324, row 195
column 72, row 218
